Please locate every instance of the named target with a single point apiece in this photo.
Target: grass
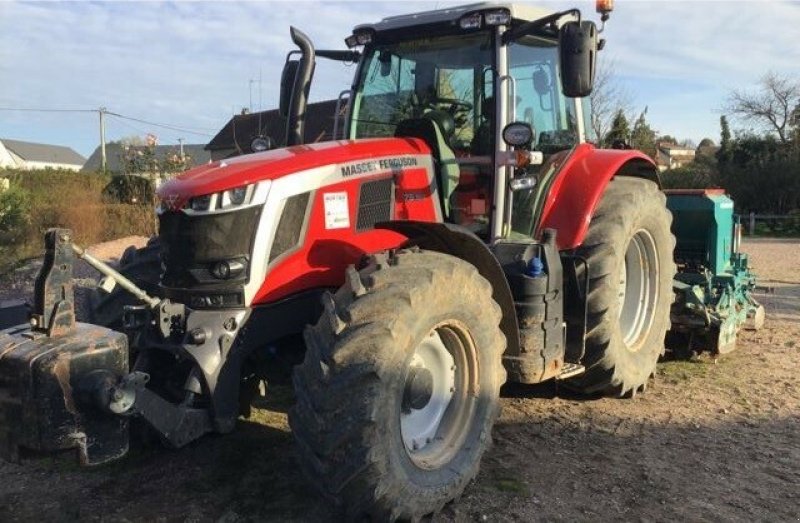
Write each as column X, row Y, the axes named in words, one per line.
column 510, row 485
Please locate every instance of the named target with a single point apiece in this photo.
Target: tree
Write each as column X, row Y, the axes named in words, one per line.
column 608, row 98
column 643, row 137
column 771, row 106
column 706, row 149
column 620, row 130
column 724, row 153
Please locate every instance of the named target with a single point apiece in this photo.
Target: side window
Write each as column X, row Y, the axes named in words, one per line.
column 539, row 100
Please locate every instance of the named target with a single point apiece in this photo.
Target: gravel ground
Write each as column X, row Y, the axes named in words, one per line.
column 18, row 284
column 711, row 440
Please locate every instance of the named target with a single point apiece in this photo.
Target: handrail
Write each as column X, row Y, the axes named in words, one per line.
column 338, row 111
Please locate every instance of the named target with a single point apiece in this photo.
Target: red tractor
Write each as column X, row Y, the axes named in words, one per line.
column 462, row 232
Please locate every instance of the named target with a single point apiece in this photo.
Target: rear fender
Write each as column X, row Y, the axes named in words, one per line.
column 462, row 243
column 579, row 185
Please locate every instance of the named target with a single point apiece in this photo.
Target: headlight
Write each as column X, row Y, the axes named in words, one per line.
column 201, row 203
column 230, row 199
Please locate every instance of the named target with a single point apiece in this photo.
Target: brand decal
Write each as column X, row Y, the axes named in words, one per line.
column 172, row 202
column 377, row 165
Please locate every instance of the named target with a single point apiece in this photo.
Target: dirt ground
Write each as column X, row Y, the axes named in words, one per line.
column 709, row 441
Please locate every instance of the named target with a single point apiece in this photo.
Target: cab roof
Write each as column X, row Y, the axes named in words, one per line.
column 519, row 12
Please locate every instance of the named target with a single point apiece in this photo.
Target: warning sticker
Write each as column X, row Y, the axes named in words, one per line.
column 337, row 215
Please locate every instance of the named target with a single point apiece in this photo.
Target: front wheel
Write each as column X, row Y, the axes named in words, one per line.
column 399, row 388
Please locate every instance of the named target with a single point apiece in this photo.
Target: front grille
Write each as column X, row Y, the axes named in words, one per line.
column 191, row 244
column 374, row 203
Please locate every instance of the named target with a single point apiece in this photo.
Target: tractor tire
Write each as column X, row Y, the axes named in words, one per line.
column 628, row 248
column 142, row 267
column 399, row 389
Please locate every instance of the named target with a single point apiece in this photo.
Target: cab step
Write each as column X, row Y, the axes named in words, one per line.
column 569, row 370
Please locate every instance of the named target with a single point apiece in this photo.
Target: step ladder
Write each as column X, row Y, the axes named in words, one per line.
column 570, row 370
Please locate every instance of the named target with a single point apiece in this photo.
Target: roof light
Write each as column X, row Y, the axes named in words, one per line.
column 604, row 7
column 501, row 17
column 362, row 37
column 472, row 21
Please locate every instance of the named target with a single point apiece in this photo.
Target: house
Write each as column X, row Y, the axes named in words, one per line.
column 673, row 156
column 240, row 131
column 116, row 154
column 17, row 154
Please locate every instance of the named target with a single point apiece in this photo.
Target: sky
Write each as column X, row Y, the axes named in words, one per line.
column 192, row 65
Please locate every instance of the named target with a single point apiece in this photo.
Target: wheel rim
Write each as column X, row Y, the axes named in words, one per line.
column 638, row 289
column 439, row 395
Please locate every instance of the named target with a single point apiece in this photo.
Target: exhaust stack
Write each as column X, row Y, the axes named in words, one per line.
column 295, row 125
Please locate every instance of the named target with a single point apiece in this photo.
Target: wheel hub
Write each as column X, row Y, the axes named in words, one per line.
column 638, row 289
column 428, row 389
column 418, row 390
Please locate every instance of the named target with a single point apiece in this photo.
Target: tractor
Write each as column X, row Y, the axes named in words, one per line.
column 460, row 232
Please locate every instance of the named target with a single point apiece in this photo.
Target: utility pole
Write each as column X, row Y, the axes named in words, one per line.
column 251, row 95
column 104, row 164
column 183, row 157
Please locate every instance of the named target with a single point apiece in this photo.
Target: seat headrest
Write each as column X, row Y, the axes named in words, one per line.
column 445, row 121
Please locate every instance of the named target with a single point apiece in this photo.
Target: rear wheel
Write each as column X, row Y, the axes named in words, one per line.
column 399, row 388
column 628, row 248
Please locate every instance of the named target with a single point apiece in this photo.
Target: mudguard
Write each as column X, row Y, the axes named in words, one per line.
column 579, row 185
column 462, row 243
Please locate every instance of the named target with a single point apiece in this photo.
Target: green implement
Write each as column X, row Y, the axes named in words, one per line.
column 714, row 284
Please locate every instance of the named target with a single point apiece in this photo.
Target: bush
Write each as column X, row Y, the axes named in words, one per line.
column 129, row 189
column 39, row 200
column 15, row 210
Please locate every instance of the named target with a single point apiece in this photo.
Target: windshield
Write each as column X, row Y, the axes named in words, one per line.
column 539, row 99
column 407, row 79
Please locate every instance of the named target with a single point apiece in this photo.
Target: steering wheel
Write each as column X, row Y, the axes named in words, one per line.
column 454, row 103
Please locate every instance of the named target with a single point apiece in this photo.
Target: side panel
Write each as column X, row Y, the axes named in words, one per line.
column 580, row 184
column 333, row 237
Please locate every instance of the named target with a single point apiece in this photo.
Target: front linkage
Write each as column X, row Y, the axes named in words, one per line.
column 67, row 385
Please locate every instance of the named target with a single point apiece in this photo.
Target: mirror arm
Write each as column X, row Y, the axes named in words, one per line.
column 534, row 25
column 340, row 56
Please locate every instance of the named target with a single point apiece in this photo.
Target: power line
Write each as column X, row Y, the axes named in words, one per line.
column 37, row 110
column 200, row 132
column 197, row 131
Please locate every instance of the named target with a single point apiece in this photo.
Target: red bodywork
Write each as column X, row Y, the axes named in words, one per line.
column 324, row 254
column 270, row 165
column 578, row 187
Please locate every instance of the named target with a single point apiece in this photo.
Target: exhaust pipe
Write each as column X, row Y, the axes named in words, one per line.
column 295, row 125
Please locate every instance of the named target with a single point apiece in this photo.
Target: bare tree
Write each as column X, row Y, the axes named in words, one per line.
column 608, row 97
column 772, row 105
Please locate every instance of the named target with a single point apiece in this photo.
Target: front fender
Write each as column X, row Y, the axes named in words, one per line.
column 462, row 243
column 579, row 185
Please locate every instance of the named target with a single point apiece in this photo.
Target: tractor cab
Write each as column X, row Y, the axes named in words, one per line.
column 456, row 78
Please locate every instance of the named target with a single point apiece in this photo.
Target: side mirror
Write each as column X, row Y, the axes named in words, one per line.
column 577, row 42
column 287, row 86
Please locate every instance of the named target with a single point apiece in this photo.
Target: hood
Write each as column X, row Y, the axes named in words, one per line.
column 270, row 165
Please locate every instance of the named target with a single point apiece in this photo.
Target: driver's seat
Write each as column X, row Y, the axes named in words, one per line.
column 436, row 128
